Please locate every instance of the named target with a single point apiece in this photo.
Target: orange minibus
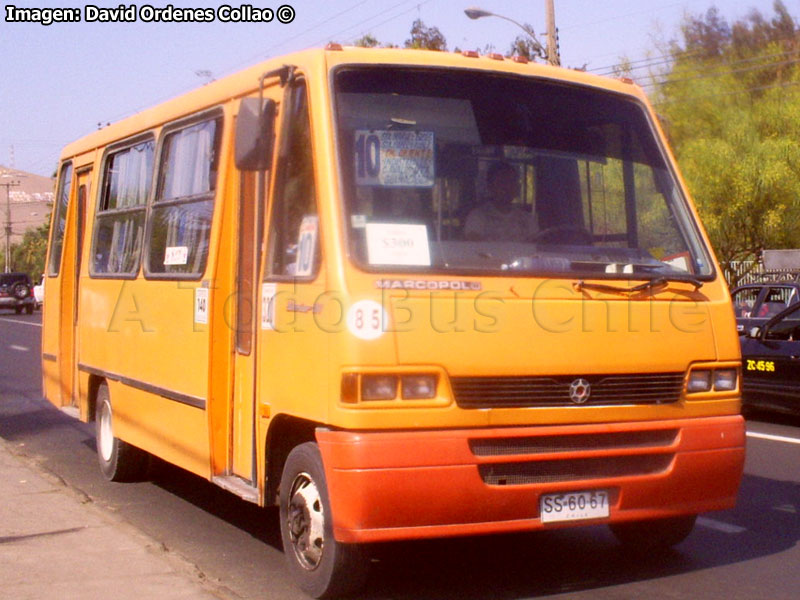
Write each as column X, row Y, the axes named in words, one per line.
column 401, row 294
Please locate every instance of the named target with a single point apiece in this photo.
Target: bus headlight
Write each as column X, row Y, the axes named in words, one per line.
column 418, row 387
column 725, row 380
column 707, row 380
column 699, row 381
column 378, row 387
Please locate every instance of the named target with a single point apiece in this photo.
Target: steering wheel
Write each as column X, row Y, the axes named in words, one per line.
column 565, row 234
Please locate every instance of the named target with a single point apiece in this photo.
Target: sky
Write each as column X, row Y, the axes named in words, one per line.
column 58, row 82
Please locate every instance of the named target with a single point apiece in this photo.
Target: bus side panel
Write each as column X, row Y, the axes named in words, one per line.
column 144, row 334
column 173, row 431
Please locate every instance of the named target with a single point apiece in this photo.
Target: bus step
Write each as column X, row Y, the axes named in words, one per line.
column 238, row 486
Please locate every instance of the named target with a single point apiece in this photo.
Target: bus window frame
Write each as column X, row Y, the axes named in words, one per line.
column 110, row 150
column 216, row 113
column 278, row 186
column 54, row 270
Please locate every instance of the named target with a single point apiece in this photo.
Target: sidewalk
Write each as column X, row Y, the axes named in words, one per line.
column 56, row 544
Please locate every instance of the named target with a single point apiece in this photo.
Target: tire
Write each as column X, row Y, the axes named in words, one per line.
column 20, row 291
column 119, row 461
column 654, row 535
column 321, row 566
column 18, row 310
column 29, row 309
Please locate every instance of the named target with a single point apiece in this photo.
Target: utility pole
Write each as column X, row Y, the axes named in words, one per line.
column 552, row 34
column 8, row 185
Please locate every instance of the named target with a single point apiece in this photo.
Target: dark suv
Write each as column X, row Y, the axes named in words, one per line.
column 16, row 291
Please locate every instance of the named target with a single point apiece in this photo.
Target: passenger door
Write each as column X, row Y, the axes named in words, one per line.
column 248, row 268
column 70, row 283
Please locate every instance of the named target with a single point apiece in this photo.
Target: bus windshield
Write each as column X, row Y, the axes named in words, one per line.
column 450, row 171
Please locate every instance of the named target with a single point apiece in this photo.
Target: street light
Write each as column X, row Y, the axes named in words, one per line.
column 477, row 13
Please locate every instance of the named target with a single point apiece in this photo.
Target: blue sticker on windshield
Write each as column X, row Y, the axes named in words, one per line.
column 394, row 158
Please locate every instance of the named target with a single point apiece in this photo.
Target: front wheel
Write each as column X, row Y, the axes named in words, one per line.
column 321, row 566
column 119, row 461
column 655, row 534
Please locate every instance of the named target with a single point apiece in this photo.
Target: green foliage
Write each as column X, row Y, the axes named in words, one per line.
column 526, row 45
column 367, row 41
column 731, row 106
column 427, row 38
column 29, row 254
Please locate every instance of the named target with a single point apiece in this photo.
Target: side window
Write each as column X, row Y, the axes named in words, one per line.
column 180, row 219
column 786, row 329
column 294, row 224
column 744, row 300
column 778, row 298
column 59, row 219
column 119, row 225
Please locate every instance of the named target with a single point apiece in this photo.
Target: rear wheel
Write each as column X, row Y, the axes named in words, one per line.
column 655, row 534
column 321, row 566
column 119, row 461
column 29, row 309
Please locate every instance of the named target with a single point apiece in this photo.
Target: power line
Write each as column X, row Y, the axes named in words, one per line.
column 722, row 73
column 416, row 6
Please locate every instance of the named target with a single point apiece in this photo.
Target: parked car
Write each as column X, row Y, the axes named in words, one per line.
column 755, row 303
column 771, row 362
column 38, row 293
column 16, row 291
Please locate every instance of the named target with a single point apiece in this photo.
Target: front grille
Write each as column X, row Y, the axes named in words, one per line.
column 548, row 444
column 606, row 390
column 553, row 471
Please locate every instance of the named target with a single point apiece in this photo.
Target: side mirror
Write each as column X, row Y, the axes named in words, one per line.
column 754, row 333
column 255, row 126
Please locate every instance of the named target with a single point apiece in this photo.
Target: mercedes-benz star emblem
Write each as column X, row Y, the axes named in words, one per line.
column 579, row 391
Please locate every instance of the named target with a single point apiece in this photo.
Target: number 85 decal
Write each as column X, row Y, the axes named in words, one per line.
column 367, row 320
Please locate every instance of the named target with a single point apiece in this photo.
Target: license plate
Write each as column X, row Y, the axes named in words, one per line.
column 573, row 506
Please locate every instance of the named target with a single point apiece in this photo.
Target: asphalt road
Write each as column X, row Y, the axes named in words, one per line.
column 750, row 552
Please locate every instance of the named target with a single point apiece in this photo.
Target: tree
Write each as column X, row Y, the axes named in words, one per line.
column 428, row 38
column 29, row 254
column 731, row 106
column 526, row 45
column 367, row 41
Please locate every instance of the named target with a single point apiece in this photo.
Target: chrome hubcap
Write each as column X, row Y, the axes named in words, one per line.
column 306, row 521
column 106, row 433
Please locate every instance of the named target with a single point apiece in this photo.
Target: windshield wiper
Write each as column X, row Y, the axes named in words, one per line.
column 650, row 285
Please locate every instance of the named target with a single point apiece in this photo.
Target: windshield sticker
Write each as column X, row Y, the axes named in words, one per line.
column 394, row 158
column 398, row 244
column 306, row 246
column 176, row 255
column 678, row 261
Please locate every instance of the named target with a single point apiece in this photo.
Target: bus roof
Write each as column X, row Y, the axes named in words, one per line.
column 245, row 82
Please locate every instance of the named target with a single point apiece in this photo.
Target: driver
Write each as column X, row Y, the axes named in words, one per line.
column 499, row 219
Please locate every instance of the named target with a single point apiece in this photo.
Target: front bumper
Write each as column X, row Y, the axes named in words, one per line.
column 421, row 484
